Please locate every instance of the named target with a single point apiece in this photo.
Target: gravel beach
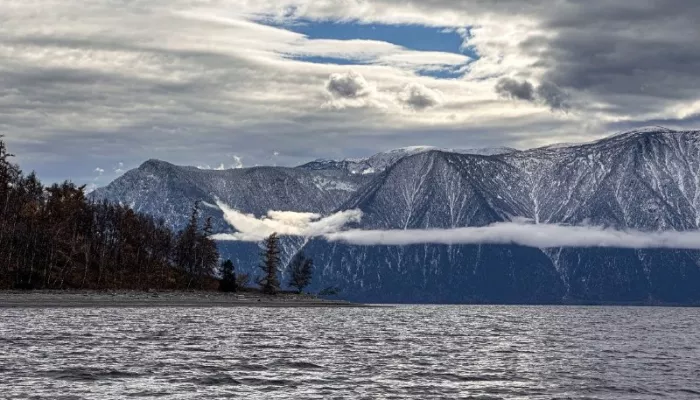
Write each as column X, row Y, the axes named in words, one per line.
column 50, row 299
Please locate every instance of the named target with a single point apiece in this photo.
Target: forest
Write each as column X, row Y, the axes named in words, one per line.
column 55, row 237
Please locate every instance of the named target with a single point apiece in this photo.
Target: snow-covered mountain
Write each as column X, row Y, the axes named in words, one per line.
column 646, row 179
column 169, row 191
column 381, row 161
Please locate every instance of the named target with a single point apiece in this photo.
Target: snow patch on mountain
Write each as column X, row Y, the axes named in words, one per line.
column 381, row 161
column 645, row 180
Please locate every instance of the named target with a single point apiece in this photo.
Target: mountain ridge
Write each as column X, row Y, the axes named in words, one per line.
column 645, row 179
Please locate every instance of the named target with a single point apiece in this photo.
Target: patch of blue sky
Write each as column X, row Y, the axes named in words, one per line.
column 328, row 60
column 412, row 37
column 444, row 73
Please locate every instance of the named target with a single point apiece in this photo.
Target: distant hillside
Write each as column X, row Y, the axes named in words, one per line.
column 647, row 179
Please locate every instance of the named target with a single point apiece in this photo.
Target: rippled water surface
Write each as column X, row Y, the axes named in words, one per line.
column 485, row 352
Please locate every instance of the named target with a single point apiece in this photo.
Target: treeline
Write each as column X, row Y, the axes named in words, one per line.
column 56, row 238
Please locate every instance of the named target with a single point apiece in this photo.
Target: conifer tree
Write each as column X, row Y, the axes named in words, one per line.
column 301, row 272
column 228, row 281
column 187, row 252
column 57, row 238
column 208, row 254
column 269, row 283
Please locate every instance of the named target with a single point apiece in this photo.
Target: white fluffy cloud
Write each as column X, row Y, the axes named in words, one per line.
column 530, row 235
column 419, row 97
column 351, row 89
column 250, row 228
column 349, row 85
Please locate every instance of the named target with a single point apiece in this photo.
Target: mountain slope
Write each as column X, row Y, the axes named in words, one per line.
column 596, row 182
column 439, row 190
column 169, row 191
column 647, row 179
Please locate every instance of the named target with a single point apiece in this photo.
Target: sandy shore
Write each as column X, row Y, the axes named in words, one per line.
column 49, row 299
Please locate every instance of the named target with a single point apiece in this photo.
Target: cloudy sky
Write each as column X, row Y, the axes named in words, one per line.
column 89, row 89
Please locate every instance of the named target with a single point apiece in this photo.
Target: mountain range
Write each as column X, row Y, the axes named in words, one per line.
column 646, row 179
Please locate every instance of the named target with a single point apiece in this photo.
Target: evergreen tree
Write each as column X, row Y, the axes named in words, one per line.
column 196, row 252
column 301, row 272
column 269, row 283
column 58, row 238
column 228, row 281
column 208, row 254
column 187, row 255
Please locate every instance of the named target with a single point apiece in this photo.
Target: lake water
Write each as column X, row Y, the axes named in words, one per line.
column 411, row 352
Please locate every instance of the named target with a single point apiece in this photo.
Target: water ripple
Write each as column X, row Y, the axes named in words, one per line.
column 412, row 352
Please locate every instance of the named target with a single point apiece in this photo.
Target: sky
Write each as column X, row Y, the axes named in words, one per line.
column 91, row 89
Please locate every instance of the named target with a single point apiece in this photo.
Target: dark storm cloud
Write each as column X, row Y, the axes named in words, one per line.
column 520, row 90
column 619, row 52
column 551, row 95
column 630, row 57
column 622, row 52
column 546, row 93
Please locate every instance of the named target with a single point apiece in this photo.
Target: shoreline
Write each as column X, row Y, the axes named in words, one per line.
column 212, row 299
column 140, row 299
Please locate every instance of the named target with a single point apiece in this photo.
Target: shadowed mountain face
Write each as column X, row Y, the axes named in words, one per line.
column 170, row 191
column 646, row 179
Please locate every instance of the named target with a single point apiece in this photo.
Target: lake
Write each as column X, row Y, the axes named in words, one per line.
column 406, row 352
